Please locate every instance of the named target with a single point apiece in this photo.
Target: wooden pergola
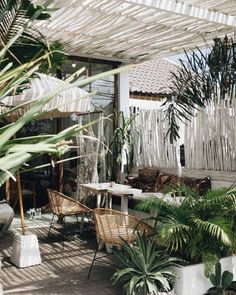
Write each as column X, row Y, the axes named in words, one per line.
column 136, row 30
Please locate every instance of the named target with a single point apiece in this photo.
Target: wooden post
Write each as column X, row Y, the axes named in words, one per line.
column 19, row 191
column 8, row 191
column 61, row 175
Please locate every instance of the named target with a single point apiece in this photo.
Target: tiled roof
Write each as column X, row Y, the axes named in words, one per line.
column 152, row 77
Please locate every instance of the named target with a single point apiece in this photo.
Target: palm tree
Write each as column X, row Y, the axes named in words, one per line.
column 197, row 229
column 16, row 15
column 204, row 77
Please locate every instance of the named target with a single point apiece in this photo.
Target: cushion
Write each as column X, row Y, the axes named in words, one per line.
column 163, row 178
column 148, row 175
column 175, row 180
column 202, row 185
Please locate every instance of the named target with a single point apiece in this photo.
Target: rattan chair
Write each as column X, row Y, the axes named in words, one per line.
column 112, row 227
column 28, row 190
column 63, row 206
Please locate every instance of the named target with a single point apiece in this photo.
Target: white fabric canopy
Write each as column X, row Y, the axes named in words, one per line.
column 134, row 30
column 72, row 100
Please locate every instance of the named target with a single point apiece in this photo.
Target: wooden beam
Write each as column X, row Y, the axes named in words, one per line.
column 188, row 10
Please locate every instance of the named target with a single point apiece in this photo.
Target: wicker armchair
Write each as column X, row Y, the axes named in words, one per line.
column 63, row 206
column 112, row 227
column 28, row 190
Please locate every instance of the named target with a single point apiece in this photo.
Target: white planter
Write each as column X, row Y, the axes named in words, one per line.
column 25, row 251
column 192, row 281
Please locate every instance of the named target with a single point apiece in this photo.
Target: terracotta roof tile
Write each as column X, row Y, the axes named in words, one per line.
column 152, row 76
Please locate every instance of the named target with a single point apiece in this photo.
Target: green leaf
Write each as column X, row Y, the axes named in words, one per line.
column 227, row 279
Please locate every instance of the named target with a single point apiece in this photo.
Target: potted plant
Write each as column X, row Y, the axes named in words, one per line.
column 222, row 282
column 145, row 270
column 199, row 230
column 122, row 146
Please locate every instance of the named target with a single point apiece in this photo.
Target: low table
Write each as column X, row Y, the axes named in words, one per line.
column 101, row 189
column 98, row 188
column 124, row 192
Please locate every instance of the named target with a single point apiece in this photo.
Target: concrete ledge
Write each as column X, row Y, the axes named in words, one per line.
column 229, row 176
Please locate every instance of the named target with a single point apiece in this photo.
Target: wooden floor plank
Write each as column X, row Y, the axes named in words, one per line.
column 62, row 272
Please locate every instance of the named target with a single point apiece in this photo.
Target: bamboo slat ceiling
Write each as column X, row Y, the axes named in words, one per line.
column 135, row 30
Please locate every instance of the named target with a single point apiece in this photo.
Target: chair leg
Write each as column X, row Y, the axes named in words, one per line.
column 34, row 200
column 63, row 232
column 82, row 224
column 50, row 227
column 94, row 257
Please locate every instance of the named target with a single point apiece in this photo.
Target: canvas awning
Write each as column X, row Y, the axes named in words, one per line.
column 135, row 30
column 69, row 101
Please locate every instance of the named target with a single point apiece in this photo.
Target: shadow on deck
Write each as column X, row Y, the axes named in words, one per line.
column 62, row 271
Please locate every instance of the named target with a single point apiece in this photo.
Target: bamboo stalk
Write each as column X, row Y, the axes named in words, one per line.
column 8, row 191
column 20, row 199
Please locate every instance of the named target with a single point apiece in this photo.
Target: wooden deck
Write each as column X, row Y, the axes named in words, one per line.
column 62, row 271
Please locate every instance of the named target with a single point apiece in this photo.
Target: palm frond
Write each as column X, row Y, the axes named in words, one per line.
column 217, row 227
column 18, row 14
column 204, row 77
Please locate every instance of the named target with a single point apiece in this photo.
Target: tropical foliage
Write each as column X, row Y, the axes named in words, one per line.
column 122, row 145
column 204, row 77
column 199, row 229
column 15, row 152
column 145, row 270
column 16, row 15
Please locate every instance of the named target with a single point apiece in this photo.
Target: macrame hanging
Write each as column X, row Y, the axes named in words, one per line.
column 91, row 152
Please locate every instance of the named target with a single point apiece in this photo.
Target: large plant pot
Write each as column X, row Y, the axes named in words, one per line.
column 25, row 251
column 6, row 217
column 192, row 281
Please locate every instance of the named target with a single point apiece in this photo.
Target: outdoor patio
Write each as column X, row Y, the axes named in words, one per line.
column 118, row 147
column 62, row 271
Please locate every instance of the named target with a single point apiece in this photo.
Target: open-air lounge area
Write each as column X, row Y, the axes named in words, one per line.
column 118, row 147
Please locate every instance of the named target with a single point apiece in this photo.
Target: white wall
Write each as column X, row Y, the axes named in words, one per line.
column 124, row 93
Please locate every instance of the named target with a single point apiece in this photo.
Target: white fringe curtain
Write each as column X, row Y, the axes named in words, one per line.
column 210, row 141
column 151, row 148
column 91, row 164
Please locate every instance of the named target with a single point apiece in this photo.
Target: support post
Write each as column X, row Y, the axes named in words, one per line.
column 8, row 191
column 19, row 192
column 177, row 155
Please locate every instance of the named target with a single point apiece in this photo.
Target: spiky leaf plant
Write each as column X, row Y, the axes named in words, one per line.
column 144, row 270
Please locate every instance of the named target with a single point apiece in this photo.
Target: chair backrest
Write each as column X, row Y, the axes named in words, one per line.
column 112, row 226
column 60, row 204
